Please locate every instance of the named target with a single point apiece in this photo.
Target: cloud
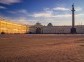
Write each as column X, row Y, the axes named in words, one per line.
column 21, row 16
column 21, row 11
column 42, row 15
column 61, row 9
column 23, row 20
column 57, row 17
column 62, row 19
column 52, row 12
column 79, row 15
column 78, row 9
column 9, row 1
column 2, row 7
column 46, row 15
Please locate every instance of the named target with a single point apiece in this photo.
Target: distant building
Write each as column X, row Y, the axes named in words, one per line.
column 38, row 28
column 50, row 29
column 11, row 27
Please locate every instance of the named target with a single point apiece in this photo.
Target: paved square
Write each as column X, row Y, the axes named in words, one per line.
column 42, row 48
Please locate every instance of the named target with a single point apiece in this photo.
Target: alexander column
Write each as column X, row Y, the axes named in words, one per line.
column 73, row 29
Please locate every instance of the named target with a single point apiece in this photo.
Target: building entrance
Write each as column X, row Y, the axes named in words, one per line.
column 38, row 31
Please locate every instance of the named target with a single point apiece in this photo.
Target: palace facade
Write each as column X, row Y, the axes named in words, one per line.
column 50, row 29
column 11, row 27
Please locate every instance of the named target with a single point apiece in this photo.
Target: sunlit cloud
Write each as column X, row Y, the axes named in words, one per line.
column 9, row 1
column 48, row 15
column 42, row 15
column 61, row 9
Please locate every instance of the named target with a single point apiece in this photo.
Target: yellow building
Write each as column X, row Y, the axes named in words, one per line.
column 10, row 27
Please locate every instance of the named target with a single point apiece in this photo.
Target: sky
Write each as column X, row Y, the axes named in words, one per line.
column 57, row 12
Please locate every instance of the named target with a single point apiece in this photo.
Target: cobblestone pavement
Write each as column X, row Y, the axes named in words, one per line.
column 42, row 48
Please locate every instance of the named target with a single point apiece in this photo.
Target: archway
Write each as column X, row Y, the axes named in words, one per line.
column 38, row 30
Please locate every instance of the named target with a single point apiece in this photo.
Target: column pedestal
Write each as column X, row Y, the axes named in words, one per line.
column 73, row 31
